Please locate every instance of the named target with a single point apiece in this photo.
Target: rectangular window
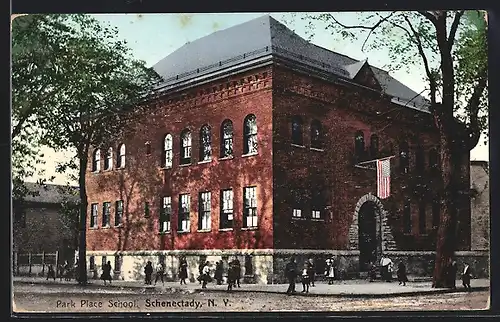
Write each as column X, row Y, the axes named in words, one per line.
column 165, row 214
column 316, row 214
column 184, row 209
column 93, row 215
column 106, row 211
column 248, row 265
column 226, row 216
column 146, row 209
column 422, row 217
column 92, row 263
column 204, row 211
column 250, row 210
column 104, row 261
column 118, row 263
column 118, row 212
column 297, row 213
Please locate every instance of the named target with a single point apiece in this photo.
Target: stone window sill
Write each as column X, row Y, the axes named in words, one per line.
column 166, row 168
column 316, row 149
column 298, row 218
column 164, row 233
column 317, row 219
column 183, row 231
column 249, row 154
column 298, row 146
column 184, row 165
column 119, row 226
column 106, row 227
column 205, row 161
column 94, row 228
column 204, row 230
column 249, row 228
column 225, row 229
column 226, row 158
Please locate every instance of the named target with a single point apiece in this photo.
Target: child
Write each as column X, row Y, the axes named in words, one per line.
column 306, row 279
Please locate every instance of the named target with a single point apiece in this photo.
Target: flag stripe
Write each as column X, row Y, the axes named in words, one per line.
column 383, row 178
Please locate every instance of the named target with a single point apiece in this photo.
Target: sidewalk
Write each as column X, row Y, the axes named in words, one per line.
column 349, row 288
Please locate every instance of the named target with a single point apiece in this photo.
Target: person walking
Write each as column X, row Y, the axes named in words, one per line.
column 372, row 271
column 402, row 278
column 231, row 276
column 200, row 271
column 330, row 271
column 106, row 273
column 386, row 268
column 306, row 278
column 183, row 274
column 466, row 277
column 291, row 275
column 219, row 270
column 160, row 272
column 237, row 270
column 311, row 271
column 148, row 271
column 452, row 274
column 206, row 278
column 51, row 273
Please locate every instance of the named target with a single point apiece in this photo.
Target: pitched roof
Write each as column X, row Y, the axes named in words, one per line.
column 50, row 193
column 261, row 38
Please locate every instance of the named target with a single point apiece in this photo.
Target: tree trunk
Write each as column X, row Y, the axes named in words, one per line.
column 82, row 249
column 446, row 242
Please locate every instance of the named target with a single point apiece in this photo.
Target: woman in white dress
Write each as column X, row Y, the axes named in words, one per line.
column 330, row 270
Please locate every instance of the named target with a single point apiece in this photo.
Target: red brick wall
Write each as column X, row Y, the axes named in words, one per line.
column 144, row 180
column 342, row 112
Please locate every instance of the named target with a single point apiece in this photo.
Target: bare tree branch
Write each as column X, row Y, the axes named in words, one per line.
column 431, row 17
column 454, row 27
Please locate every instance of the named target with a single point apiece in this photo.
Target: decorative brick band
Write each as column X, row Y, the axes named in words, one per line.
column 223, row 252
column 383, row 227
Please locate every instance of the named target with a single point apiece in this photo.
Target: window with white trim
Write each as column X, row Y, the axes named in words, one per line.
column 226, row 216
column 185, row 147
column 316, row 214
column 108, row 163
column 184, row 209
column 167, row 151
column 93, row 215
column 250, row 207
column 227, row 139
column 121, row 156
column 106, row 212
column 165, row 214
column 297, row 213
column 118, row 212
column 96, row 160
column 204, row 211
column 250, row 135
column 205, row 143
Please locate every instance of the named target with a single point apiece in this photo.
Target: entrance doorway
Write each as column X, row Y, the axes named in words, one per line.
column 368, row 242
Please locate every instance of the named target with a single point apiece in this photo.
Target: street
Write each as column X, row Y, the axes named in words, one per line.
column 71, row 298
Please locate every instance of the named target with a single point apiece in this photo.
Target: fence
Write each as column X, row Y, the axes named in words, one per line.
column 30, row 264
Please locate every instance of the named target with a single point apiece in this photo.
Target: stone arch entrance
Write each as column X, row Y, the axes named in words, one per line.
column 370, row 219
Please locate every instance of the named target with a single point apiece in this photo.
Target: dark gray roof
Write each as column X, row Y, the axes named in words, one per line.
column 264, row 37
column 50, row 193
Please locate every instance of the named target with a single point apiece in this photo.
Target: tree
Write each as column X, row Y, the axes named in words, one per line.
column 451, row 48
column 91, row 87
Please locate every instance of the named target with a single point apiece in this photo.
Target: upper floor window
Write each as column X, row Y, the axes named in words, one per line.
column 165, row 214
column 204, row 222
column 316, row 135
column 359, row 145
column 184, row 209
column 374, row 146
column 118, row 212
column 433, row 159
column 108, row 162
column 93, row 215
column 120, row 162
column 250, row 207
column 404, row 157
column 106, row 212
column 167, row 151
column 419, row 160
column 226, row 216
column 96, row 160
column 205, row 143
column 185, row 147
column 297, row 135
column 297, row 213
column 250, row 135
column 227, row 139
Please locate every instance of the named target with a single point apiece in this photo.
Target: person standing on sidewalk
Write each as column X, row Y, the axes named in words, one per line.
column 466, row 276
column 205, row 277
column 311, row 271
column 183, row 274
column 160, row 272
column 231, row 276
column 452, row 274
column 402, row 278
column 106, row 273
column 219, row 270
column 148, row 271
column 306, row 278
column 330, row 271
column 51, row 273
column 372, row 271
column 291, row 275
column 237, row 270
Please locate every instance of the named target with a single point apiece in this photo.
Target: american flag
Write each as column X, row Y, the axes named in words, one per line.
column 383, row 178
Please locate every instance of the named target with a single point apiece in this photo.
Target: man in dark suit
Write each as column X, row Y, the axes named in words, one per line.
column 466, row 276
column 291, row 275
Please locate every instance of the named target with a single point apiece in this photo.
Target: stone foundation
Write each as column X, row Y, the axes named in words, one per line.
column 268, row 266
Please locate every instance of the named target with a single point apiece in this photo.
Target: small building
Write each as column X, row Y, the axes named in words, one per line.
column 252, row 152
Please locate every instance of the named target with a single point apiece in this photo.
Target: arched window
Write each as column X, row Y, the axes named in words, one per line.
column 205, row 143
column 419, row 160
column 374, row 146
column 226, row 129
column 297, row 137
column 108, row 162
column 167, row 151
column 316, row 135
column 404, row 156
column 250, row 135
column 96, row 160
column 120, row 162
column 433, row 159
column 185, row 147
column 359, row 145
column 407, row 217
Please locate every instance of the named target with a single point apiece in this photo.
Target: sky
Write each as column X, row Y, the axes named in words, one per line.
column 153, row 36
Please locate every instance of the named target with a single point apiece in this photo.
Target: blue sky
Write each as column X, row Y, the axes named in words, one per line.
column 153, row 36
